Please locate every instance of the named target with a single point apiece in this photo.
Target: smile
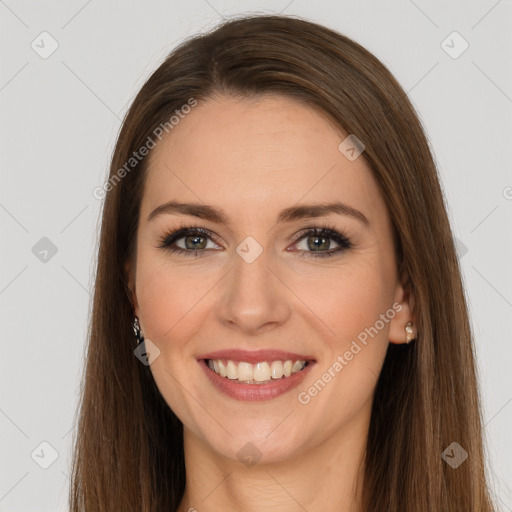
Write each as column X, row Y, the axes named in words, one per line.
column 258, row 381
column 259, row 373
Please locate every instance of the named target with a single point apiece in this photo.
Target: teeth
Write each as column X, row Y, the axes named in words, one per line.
column 222, row 369
column 245, row 371
column 261, row 372
column 258, row 373
column 232, row 370
column 276, row 369
column 297, row 367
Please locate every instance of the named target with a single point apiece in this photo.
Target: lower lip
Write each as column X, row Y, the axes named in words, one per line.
column 255, row 392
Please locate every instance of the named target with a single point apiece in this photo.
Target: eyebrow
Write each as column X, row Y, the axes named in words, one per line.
column 290, row 214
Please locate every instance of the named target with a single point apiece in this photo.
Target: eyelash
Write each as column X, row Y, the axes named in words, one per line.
column 325, row 230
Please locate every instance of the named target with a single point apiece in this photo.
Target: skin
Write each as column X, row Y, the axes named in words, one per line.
column 252, row 158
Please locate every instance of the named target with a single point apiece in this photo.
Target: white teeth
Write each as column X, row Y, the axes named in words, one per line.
column 297, row 367
column 262, row 372
column 232, row 370
column 276, row 369
column 258, row 373
column 223, row 371
column 245, row 371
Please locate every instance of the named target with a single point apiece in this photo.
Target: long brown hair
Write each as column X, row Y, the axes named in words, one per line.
column 128, row 446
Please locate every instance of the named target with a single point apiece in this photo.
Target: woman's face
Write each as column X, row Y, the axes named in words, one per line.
column 256, row 280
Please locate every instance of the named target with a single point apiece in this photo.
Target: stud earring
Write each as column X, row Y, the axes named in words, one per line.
column 136, row 330
column 409, row 332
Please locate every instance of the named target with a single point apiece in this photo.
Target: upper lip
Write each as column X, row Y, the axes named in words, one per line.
column 255, row 356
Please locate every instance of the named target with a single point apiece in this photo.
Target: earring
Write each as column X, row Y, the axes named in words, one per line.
column 136, row 330
column 409, row 332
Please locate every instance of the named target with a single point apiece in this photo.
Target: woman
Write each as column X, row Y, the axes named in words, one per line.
column 275, row 234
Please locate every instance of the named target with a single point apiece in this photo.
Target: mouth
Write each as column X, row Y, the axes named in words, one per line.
column 260, row 373
column 255, row 376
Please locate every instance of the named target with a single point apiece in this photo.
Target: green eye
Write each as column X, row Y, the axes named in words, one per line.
column 196, row 241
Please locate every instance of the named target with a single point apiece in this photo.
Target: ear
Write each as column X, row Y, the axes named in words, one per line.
column 405, row 297
column 130, row 286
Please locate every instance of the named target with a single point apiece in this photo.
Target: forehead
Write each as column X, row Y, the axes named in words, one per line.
column 246, row 155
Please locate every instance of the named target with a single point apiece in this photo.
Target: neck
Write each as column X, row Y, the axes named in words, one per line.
column 327, row 477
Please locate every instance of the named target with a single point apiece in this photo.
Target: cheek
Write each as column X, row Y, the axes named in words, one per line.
column 348, row 300
column 356, row 307
column 355, row 303
column 169, row 302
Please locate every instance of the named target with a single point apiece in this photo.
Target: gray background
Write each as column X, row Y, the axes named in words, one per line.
column 60, row 117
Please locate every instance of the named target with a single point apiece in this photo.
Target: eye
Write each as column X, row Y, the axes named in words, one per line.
column 195, row 240
column 315, row 240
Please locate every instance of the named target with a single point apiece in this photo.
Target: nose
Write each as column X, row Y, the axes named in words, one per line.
column 255, row 298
